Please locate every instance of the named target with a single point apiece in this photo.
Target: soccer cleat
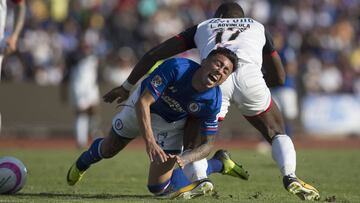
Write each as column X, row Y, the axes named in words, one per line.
column 196, row 189
column 231, row 168
column 74, row 175
column 298, row 187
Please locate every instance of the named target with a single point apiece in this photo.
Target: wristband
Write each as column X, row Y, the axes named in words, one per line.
column 127, row 86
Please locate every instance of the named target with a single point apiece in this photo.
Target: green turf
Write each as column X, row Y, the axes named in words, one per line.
column 123, row 178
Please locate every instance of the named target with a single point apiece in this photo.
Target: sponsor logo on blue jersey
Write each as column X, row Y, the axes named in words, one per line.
column 173, row 104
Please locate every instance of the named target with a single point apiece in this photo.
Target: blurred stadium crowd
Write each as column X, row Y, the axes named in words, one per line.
column 319, row 41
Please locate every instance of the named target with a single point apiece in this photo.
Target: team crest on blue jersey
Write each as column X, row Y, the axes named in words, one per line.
column 118, row 124
column 194, row 107
column 156, row 81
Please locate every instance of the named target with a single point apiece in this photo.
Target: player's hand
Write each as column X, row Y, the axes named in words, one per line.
column 119, row 93
column 156, row 153
column 178, row 160
column 11, row 43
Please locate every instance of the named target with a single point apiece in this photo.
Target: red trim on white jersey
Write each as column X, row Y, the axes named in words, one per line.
column 266, row 110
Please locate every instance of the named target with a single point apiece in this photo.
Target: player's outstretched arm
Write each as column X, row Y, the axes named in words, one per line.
column 142, row 107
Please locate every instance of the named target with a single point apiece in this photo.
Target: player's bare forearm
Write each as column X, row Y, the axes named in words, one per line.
column 19, row 18
column 142, row 107
column 164, row 50
column 199, row 152
column 274, row 70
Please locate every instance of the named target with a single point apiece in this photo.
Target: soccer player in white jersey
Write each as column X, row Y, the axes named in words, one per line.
column 82, row 74
column 9, row 44
column 247, row 87
column 158, row 110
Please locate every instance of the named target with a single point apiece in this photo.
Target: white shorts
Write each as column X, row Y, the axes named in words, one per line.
column 245, row 87
column 84, row 97
column 286, row 99
column 169, row 136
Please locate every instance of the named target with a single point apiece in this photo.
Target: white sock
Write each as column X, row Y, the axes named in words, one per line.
column 283, row 152
column 196, row 170
column 82, row 129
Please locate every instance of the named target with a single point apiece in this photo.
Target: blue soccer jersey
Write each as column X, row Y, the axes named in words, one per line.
column 175, row 98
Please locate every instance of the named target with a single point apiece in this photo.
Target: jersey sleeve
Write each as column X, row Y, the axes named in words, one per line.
column 269, row 47
column 209, row 120
column 160, row 78
column 187, row 37
column 209, row 126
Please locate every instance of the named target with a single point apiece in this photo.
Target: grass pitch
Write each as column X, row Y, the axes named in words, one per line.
column 123, row 178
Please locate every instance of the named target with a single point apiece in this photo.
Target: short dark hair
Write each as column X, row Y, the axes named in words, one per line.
column 227, row 53
column 229, row 10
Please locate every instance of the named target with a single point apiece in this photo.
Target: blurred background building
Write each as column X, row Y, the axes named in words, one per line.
column 319, row 42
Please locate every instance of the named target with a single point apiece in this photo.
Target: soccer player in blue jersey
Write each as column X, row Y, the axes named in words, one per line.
column 157, row 110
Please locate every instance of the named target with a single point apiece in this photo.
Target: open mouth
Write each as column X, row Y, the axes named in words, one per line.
column 213, row 78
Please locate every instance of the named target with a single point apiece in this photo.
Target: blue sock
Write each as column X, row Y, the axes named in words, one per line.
column 214, row 166
column 159, row 188
column 178, row 179
column 91, row 156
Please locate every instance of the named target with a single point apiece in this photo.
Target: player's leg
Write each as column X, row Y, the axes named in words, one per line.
column 81, row 128
column 94, row 122
column 270, row 124
column 101, row 148
column 159, row 178
column 124, row 129
column 253, row 99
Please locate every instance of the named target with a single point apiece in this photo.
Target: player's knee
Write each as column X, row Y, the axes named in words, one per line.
column 159, row 189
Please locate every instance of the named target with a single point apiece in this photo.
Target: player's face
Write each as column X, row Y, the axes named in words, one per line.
column 217, row 69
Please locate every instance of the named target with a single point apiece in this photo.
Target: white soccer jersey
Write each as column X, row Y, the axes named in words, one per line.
column 244, row 36
column 84, row 86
